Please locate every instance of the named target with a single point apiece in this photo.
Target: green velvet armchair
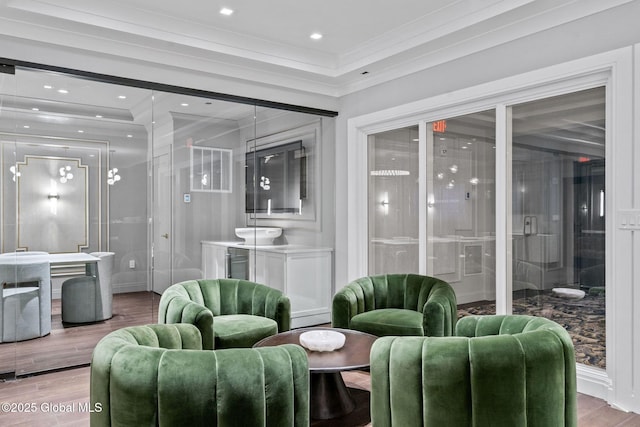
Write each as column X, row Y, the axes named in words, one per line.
column 396, row 304
column 157, row 375
column 498, row 371
column 228, row 312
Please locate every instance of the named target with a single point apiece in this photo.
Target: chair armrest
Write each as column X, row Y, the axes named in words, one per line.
column 283, row 314
column 346, row 303
column 440, row 313
column 183, row 310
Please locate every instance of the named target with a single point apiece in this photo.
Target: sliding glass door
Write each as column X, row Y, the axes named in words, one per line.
column 394, row 201
column 558, row 215
column 432, row 209
column 432, row 203
column 460, row 207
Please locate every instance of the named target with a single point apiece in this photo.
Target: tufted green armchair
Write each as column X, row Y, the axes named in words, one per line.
column 396, row 304
column 498, row 371
column 228, row 312
column 157, row 375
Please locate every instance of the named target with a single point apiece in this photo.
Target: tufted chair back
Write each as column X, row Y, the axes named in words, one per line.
column 498, row 371
column 157, row 375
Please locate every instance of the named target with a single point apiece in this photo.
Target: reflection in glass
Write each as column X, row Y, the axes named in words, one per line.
column 558, row 198
column 393, row 201
column 164, row 174
column 461, row 208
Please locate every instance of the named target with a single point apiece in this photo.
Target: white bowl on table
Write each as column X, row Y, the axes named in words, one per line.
column 322, row 340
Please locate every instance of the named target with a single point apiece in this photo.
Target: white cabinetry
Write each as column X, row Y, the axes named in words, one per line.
column 302, row 273
column 214, row 261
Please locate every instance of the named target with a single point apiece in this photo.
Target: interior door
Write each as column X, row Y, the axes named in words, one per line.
column 162, row 232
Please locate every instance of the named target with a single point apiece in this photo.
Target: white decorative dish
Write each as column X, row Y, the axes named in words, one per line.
column 322, row 340
column 568, row 293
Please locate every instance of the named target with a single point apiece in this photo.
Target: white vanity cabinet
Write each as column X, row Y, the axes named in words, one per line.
column 302, row 273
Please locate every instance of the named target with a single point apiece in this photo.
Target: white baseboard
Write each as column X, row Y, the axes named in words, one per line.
column 593, row 381
column 318, row 319
column 122, row 288
column 119, row 288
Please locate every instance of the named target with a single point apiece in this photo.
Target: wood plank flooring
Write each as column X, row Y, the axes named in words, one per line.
column 71, row 345
column 70, row 388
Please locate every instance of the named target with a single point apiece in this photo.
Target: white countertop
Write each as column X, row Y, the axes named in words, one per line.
column 283, row 249
column 54, row 259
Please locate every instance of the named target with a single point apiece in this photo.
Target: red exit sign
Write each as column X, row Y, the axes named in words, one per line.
column 440, row 126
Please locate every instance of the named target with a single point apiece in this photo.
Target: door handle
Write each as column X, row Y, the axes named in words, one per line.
column 165, row 235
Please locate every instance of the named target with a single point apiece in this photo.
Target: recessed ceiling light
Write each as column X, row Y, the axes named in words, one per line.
column 122, row 97
column 316, row 36
column 63, row 91
column 48, row 87
column 35, row 109
column 129, row 136
column 26, row 126
column 80, row 131
column 226, row 11
column 184, row 104
column 98, row 116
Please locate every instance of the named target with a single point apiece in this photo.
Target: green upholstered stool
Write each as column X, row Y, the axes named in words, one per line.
column 498, row 371
column 228, row 312
column 158, row 375
column 396, row 304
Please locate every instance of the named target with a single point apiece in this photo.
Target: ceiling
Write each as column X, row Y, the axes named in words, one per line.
column 364, row 43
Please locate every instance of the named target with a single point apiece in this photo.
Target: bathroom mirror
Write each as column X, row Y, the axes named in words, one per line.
column 276, row 179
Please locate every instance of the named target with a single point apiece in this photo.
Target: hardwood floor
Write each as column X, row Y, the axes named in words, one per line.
column 59, row 397
column 70, row 390
column 71, row 345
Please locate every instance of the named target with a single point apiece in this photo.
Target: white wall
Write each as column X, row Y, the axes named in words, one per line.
column 612, row 34
column 595, row 34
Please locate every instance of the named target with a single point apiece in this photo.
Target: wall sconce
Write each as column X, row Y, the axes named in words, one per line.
column 601, row 203
column 53, row 197
column 112, row 176
column 384, row 202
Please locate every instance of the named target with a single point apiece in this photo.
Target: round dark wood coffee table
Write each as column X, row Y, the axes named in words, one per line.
column 329, row 396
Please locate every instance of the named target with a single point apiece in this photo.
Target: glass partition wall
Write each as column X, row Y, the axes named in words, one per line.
column 451, row 233
column 165, row 182
column 558, row 215
column 432, row 210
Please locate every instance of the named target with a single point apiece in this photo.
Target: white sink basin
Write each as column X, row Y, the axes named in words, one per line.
column 260, row 236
